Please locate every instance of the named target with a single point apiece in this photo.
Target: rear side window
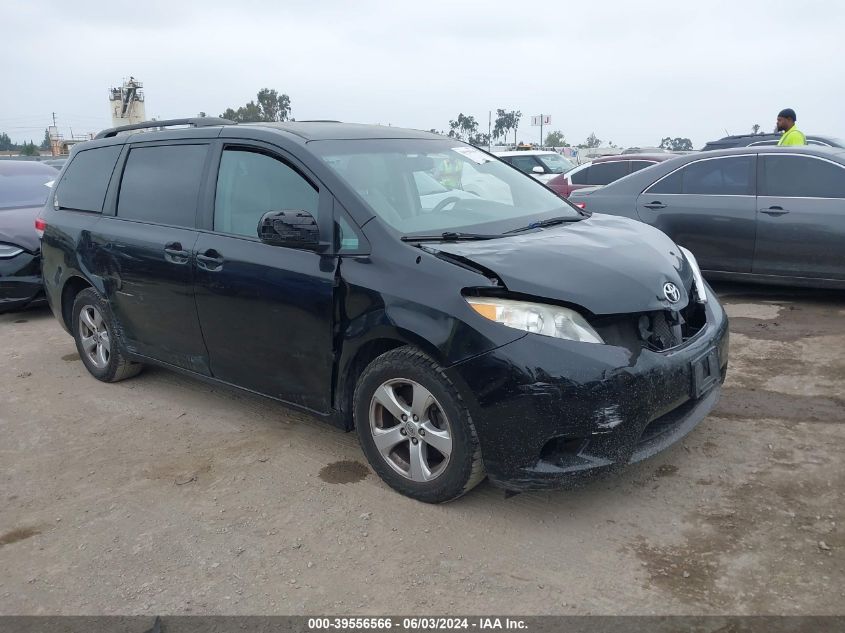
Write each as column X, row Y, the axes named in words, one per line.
column 85, row 181
column 606, row 173
column 161, row 184
column 637, row 165
column 801, row 177
column 724, row 177
column 581, row 177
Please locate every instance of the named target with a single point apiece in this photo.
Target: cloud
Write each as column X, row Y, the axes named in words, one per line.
column 631, row 72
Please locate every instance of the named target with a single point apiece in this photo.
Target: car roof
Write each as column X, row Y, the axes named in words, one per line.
column 637, row 181
column 618, row 157
column 766, row 149
column 335, row 130
column 528, row 152
column 25, row 168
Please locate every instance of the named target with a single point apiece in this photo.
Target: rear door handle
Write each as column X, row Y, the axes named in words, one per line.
column 210, row 260
column 774, row 211
column 655, row 205
column 174, row 253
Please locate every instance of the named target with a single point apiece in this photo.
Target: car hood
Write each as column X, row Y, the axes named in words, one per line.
column 606, row 264
column 17, row 226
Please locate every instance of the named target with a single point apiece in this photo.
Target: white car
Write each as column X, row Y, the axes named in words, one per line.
column 543, row 165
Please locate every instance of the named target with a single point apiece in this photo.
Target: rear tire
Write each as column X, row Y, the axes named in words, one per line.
column 97, row 339
column 414, row 429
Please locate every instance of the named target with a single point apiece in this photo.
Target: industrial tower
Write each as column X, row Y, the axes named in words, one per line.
column 127, row 103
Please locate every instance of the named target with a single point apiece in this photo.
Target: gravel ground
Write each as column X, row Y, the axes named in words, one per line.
column 162, row 494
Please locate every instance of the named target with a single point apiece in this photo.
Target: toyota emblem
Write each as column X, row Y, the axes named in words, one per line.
column 671, row 292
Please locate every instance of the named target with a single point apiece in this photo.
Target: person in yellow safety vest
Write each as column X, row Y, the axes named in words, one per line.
column 791, row 134
column 449, row 173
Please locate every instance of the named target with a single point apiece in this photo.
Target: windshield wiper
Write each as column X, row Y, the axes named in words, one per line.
column 448, row 236
column 544, row 223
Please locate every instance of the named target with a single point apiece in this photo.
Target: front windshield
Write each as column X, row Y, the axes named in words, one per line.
column 555, row 163
column 23, row 190
column 421, row 186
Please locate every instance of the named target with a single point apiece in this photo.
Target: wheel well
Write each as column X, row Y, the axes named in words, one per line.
column 367, row 354
column 73, row 287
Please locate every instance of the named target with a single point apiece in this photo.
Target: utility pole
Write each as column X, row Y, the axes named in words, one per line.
column 489, row 130
column 541, row 130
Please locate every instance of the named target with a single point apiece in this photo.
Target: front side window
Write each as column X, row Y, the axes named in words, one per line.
column 85, row 181
column 422, row 185
column 161, row 184
column 555, row 163
column 250, row 184
column 606, row 173
column 801, row 177
column 732, row 176
column 525, row 163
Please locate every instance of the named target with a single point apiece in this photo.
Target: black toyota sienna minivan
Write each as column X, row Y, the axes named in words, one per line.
column 461, row 317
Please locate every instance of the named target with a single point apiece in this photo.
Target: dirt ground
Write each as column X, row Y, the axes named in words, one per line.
column 164, row 495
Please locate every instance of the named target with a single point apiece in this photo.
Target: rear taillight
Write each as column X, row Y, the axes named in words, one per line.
column 40, row 225
column 580, row 205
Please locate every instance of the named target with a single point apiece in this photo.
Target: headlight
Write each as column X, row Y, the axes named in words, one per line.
column 538, row 318
column 8, row 250
column 700, row 294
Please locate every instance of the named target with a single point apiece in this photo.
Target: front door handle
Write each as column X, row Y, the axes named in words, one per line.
column 774, row 211
column 175, row 254
column 655, row 205
column 210, row 260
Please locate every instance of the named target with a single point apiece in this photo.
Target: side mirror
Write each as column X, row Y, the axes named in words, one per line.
column 538, row 170
column 292, row 229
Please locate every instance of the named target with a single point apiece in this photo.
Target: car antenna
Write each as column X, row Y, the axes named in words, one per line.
column 726, row 132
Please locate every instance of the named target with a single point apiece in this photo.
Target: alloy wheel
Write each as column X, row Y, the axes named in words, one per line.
column 94, row 336
column 410, row 430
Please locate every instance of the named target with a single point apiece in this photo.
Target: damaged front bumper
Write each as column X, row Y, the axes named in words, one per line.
column 550, row 413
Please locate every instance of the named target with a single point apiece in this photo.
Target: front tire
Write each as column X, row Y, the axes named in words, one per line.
column 97, row 341
column 414, row 429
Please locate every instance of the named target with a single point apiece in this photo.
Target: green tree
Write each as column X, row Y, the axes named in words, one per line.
column 506, row 120
column 271, row 107
column 45, row 144
column 29, row 149
column 479, row 140
column 202, row 114
column 6, row 143
column 556, row 139
column 591, row 142
column 463, row 128
column 755, row 129
column 677, row 144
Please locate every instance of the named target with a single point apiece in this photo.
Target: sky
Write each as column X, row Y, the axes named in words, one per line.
column 632, row 72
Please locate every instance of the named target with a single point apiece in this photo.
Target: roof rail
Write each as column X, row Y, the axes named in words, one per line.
column 193, row 122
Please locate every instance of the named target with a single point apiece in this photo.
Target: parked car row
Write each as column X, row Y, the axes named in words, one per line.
column 603, row 171
column 766, row 140
column 763, row 214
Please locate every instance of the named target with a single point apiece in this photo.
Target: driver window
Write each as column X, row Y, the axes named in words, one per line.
column 249, row 184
